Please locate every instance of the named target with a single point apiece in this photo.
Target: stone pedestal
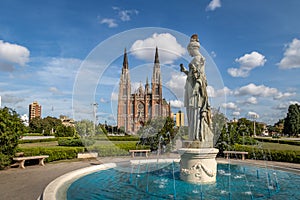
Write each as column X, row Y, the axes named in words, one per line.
column 198, row 165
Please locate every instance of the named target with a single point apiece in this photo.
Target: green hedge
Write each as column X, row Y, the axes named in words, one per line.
column 38, row 140
column 75, row 142
column 291, row 142
column 55, row 153
column 269, row 154
column 116, row 138
column 115, row 150
column 62, row 153
column 5, row 160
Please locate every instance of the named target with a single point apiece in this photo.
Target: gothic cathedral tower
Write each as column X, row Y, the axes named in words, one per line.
column 156, row 87
column 135, row 109
column 124, row 96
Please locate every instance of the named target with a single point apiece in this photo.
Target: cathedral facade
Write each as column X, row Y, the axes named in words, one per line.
column 135, row 109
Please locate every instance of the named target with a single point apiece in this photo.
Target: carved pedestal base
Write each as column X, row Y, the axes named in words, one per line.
column 198, row 165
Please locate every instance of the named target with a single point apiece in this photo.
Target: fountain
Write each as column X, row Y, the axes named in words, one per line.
column 195, row 176
column 232, row 182
column 198, row 157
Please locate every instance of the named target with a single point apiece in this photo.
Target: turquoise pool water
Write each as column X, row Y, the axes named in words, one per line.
column 145, row 182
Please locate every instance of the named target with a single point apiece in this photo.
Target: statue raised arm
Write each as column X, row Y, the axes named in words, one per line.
column 196, row 98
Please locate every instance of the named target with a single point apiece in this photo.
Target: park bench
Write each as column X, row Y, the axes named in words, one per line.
column 243, row 153
column 21, row 160
column 146, row 151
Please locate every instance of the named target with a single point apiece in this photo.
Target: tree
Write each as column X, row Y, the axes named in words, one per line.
column 64, row 131
column 36, row 125
column 50, row 124
column 47, row 126
column 292, row 121
column 11, row 128
column 86, row 128
column 218, row 122
column 158, row 133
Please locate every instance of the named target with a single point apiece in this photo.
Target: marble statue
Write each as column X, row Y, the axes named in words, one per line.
column 196, row 98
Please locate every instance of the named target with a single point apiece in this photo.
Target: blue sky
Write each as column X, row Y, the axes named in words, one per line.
column 56, row 53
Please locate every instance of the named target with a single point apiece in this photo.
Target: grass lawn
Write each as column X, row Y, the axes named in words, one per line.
column 276, row 146
column 100, row 142
column 39, row 144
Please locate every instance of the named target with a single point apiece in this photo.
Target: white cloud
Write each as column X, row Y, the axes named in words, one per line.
column 111, row 23
column 11, row 99
column 256, row 90
column 58, row 71
column 218, row 93
column 230, row 106
column 250, row 100
column 53, row 90
column 213, row 5
column 176, row 83
column 253, row 114
column 211, row 91
column 176, row 103
column 125, row 15
column 291, row 57
column 294, row 102
column 236, row 113
column 282, row 106
column 168, row 48
column 11, row 54
column 281, row 95
column 247, row 63
column 285, row 105
column 261, row 91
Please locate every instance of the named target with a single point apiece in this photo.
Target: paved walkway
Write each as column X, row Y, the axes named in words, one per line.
column 29, row 183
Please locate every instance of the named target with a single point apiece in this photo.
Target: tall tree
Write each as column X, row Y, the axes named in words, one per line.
column 292, row 121
column 157, row 133
column 11, row 128
column 47, row 126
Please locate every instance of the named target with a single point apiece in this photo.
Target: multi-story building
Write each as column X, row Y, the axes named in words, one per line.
column 134, row 109
column 35, row 110
column 179, row 119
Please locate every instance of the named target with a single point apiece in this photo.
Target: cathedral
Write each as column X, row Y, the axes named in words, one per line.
column 134, row 109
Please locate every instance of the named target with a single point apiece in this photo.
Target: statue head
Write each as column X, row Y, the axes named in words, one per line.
column 194, row 46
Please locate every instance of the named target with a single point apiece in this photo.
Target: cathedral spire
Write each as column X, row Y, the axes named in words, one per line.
column 156, row 69
column 125, row 61
column 156, row 60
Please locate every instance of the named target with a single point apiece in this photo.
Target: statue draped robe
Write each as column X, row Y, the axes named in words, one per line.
column 196, row 101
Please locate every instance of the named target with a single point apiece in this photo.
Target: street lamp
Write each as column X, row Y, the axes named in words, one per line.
column 254, row 116
column 95, row 106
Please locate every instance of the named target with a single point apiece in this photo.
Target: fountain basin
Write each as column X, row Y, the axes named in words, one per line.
column 139, row 179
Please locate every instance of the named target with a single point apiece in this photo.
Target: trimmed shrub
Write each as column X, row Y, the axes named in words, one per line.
column 116, row 138
column 5, row 160
column 75, row 142
column 55, row 153
column 290, row 142
column 269, row 154
column 38, row 140
column 120, row 149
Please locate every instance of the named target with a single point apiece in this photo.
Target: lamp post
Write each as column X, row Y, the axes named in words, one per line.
column 95, row 106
